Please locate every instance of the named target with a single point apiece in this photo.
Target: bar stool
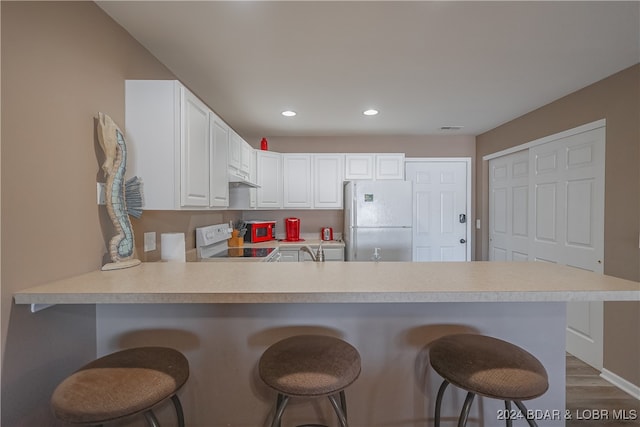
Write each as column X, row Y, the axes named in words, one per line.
column 489, row 367
column 310, row 366
column 122, row 384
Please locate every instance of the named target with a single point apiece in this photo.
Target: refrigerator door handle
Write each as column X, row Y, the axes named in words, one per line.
column 354, row 207
column 354, row 246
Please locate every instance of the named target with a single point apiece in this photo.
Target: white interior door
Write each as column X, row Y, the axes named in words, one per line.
column 568, row 223
column 509, row 207
column 441, row 209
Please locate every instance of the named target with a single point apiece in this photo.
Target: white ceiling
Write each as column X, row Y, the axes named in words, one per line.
column 423, row 64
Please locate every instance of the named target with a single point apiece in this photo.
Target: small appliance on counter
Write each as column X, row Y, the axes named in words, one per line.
column 212, row 244
column 292, row 227
column 326, row 234
column 260, row 231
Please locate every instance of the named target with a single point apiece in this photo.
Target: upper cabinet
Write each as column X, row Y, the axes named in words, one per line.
column 269, row 178
column 328, row 180
column 241, row 159
column 312, row 181
column 374, row 166
column 177, row 146
column 218, row 179
column 296, row 176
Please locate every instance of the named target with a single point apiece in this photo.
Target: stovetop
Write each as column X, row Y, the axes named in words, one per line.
column 243, row 253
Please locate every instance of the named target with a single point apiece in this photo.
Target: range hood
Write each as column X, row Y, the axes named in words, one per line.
column 237, row 179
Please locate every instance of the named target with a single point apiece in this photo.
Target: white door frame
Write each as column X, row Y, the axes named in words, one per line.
column 468, row 164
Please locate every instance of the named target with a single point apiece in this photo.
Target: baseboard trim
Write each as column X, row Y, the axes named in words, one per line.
column 621, row 383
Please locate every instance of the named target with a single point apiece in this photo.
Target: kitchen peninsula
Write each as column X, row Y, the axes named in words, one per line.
column 223, row 315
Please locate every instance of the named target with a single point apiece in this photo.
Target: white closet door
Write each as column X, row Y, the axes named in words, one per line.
column 509, row 207
column 546, row 204
column 568, row 224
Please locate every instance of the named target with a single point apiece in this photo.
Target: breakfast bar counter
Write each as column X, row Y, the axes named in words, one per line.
column 223, row 315
column 308, row 282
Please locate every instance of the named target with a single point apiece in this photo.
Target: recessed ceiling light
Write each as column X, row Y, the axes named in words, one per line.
column 289, row 113
column 370, row 112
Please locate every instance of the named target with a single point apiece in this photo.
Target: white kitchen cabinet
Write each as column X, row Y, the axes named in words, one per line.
column 269, row 178
column 389, row 166
column 297, row 185
column 235, row 150
column 312, row 180
column 218, row 178
column 374, row 166
column 328, row 180
column 289, row 255
column 240, row 156
column 247, row 163
column 172, row 145
column 330, row 254
column 295, row 254
column 195, row 151
column 358, row 166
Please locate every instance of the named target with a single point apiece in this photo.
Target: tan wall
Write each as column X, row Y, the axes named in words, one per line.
column 62, row 63
column 412, row 146
column 616, row 99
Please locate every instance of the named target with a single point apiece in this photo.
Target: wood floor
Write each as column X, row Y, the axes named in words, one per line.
column 593, row 401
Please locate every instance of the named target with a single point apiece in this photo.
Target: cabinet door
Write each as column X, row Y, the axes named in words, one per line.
column 235, row 150
column 328, row 178
column 269, row 177
column 296, row 180
column 219, row 178
column 289, row 255
column 246, row 158
column 194, row 156
column 358, row 166
column 389, row 166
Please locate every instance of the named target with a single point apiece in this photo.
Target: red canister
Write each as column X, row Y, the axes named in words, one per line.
column 327, row 233
column 264, row 145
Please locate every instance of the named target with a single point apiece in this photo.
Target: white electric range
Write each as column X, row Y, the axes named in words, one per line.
column 212, row 245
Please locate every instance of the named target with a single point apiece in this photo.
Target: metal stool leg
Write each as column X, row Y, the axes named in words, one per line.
column 464, row 414
column 342, row 417
column 281, row 403
column 151, row 419
column 441, row 390
column 179, row 412
column 343, row 403
column 507, row 406
column 523, row 408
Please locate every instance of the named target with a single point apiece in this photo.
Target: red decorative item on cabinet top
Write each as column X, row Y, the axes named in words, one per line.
column 264, row 145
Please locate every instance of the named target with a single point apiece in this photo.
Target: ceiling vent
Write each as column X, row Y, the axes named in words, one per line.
column 451, row 127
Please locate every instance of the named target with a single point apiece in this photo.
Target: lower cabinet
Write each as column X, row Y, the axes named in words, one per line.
column 298, row 255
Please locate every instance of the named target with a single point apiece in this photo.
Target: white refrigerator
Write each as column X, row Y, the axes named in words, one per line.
column 378, row 219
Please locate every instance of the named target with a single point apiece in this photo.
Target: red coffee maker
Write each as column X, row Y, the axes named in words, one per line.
column 292, row 226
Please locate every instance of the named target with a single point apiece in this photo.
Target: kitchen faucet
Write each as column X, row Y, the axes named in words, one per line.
column 318, row 256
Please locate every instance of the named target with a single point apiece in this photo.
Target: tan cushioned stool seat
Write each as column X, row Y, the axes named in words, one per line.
column 488, row 366
column 309, row 365
column 120, row 384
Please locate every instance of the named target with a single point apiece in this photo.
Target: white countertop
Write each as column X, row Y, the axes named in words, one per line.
column 332, row 282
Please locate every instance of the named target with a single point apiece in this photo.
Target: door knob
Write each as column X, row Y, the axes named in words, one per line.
column 463, row 241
